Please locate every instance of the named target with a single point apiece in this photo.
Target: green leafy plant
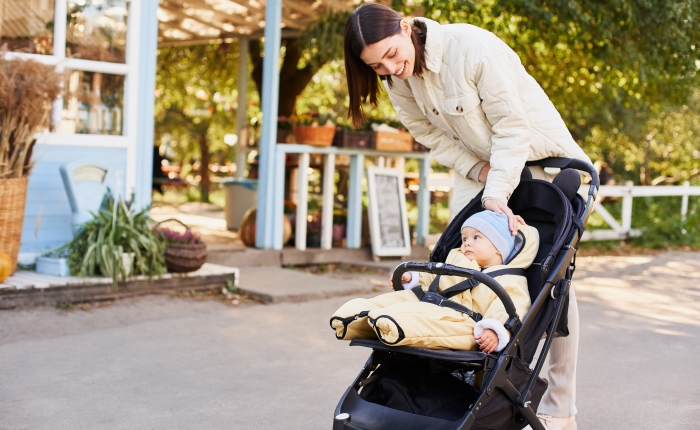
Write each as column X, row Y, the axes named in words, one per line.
column 313, row 118
column 100, row 244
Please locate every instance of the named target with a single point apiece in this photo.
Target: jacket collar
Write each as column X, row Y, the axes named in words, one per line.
column 434, row 43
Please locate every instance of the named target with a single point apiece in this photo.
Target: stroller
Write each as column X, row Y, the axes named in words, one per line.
column 417, row 388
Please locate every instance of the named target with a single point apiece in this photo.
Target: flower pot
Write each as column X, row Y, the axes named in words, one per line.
column 13, row 195
column 338, row 231
column 54, row 266
column 317, row 135
column 313, row 241
column 127, row 261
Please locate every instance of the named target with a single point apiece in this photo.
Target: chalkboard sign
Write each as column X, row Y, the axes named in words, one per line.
column 387, row 212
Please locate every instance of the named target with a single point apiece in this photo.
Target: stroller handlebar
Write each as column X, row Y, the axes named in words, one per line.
column 572, row 163
column 581, row 165
column 450, row 270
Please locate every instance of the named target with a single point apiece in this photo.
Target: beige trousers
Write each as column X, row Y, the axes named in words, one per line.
column 560, row 367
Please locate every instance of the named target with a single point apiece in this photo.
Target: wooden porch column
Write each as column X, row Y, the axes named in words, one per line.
column 145, row 78
column 241, row 119
column 266, row 230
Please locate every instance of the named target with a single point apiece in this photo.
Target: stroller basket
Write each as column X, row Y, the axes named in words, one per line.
column 418, row 388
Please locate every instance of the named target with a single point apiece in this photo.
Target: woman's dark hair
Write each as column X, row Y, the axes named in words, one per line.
column 368, row 24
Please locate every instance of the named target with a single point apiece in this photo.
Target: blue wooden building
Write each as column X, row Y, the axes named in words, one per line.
column 107, row 49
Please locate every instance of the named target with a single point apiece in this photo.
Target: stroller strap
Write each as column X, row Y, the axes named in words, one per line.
column 468, row 284
column 442, row 298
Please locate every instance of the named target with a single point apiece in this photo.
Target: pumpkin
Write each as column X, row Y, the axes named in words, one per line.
column 6, row 268
column 246, row 231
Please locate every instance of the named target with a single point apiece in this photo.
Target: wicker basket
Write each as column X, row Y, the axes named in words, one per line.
column 184, row 257
column 13, row 195
column 314, row 135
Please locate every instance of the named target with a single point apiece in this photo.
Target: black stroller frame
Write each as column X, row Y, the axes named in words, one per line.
column 506, row 378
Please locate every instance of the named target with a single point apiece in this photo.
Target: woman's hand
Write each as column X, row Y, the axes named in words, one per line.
column 487, row 341
column 501, row 208
column 405, row 279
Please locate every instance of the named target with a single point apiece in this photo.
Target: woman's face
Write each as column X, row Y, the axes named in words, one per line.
column 393, row 56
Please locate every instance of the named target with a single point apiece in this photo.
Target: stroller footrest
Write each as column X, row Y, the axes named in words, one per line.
column 471, row 357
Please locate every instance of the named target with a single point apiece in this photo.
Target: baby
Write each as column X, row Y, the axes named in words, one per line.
column 400, row 318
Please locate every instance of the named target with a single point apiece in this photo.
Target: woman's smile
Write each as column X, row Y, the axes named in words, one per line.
column 401, row 70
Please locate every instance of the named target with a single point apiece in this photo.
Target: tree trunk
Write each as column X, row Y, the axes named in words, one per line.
column 292, row 79
column 205, row 181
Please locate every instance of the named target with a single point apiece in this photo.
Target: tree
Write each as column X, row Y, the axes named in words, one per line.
column 611, row 68
column 196, row 87
column 320, row 42
column 196, row 101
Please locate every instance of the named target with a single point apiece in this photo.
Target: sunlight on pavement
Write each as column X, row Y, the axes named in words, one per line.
column 657, row 288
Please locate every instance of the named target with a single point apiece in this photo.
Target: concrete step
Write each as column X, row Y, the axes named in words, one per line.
column 236, row 256
column 276, row 285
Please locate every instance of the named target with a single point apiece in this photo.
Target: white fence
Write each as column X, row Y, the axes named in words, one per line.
column 624, row 229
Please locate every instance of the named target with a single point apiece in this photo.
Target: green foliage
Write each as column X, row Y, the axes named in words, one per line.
column 659, row 218
column 322, row 39
column 195, row 87
column 196, row 103
column 669, row 152
column 99, row 244
column 327, row 93
column 615, row 70
column 64, row 305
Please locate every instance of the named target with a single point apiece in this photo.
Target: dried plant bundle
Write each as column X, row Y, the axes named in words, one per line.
column 27, row 89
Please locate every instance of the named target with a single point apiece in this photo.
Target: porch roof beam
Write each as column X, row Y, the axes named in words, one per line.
column 222, row 17
column 175, row 11
column 169, row 26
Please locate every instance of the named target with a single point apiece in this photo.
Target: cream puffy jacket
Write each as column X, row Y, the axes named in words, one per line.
column 476, row 103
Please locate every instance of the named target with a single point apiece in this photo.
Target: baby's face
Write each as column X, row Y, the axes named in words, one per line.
column 476, row 247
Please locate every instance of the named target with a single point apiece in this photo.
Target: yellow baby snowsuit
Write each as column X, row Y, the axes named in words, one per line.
column 399, row 318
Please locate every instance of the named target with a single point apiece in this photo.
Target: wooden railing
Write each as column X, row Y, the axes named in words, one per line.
column 623, row 229
column 356, row 172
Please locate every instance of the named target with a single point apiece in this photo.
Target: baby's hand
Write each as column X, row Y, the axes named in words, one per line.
column 405, row 279
column 488, row 340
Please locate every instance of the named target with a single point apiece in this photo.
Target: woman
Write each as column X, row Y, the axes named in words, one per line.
column 463, row 93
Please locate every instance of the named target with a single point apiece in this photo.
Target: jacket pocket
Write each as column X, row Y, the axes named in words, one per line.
column 468, row 119
column 459, row 105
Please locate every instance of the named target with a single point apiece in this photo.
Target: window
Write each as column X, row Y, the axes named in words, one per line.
column 27, row 26
column 96, row 30
column 94, row 104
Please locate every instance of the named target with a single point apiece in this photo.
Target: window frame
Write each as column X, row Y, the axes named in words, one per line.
column 129, row 70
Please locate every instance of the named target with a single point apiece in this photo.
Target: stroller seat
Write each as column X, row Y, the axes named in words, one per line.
column 503, row 391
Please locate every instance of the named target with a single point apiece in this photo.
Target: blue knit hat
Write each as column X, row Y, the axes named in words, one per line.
column 496, row 229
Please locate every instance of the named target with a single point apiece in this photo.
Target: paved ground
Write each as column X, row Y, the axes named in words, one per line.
column 161, row 362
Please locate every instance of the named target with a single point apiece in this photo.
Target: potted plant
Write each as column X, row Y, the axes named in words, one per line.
column 184, row 251
column 54, row 263
column 340, row 219
column 313, row 232
column 313, row 129
column 27, row 89
column 284, row 129
column 116, row 243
